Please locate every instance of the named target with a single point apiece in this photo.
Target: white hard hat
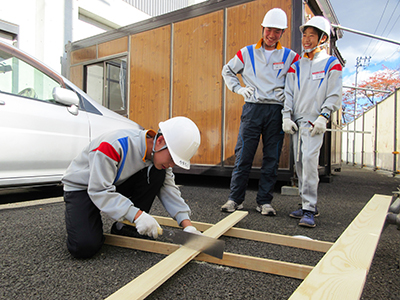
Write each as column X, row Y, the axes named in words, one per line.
column 275, row 18
column 182, row 138
column 318, row 22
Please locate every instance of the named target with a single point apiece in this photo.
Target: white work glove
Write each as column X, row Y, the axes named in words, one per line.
column 192, row 229
column 246, row 92
column 319, row 126
column 147, row 225
column 289, row 126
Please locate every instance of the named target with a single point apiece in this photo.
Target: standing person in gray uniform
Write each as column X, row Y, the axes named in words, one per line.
column 263, row 67
column 313, row 92
column 120, row 173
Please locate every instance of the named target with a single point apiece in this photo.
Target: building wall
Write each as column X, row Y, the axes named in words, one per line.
column 175, row 63
column 175, row 70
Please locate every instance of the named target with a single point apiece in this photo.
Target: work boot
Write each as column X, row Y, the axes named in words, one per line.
column 308, row 219
column 129, row 231
column 231, row 206
column 266, row 210
column 298, row 214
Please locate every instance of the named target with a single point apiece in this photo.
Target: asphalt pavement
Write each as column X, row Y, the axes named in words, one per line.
column 35, row 263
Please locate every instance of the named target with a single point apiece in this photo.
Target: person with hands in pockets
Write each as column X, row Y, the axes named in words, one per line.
column 313, row 91
column 263, row 67
column 120, row 173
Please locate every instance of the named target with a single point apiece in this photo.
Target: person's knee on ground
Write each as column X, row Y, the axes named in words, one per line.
column 85, row 247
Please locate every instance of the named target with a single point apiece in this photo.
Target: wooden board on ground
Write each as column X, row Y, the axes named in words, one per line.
column 259, row 236
column 275, row 267
column 342, row 272
column 147, row 282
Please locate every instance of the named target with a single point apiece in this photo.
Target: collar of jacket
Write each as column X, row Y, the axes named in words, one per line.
column 149, row 133
column 321, row 53
column 278, row 45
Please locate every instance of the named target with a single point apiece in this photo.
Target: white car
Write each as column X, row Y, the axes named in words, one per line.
column 45, row 121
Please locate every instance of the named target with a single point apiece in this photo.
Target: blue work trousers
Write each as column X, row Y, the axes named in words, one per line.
column 257, row 120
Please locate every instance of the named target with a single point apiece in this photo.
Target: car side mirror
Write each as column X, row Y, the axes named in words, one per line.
column 66, row 97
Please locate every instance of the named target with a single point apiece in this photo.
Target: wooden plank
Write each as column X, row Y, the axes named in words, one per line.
column 140, row 244
column 342, row 272
column 258, row 264
column 292, row 270
column 145, row 284
column 259, row 236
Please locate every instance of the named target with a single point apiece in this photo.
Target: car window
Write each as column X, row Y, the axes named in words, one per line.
column 22, row 79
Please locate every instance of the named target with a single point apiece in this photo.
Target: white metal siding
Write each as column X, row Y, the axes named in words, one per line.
column 378, row 146
column 158, row 7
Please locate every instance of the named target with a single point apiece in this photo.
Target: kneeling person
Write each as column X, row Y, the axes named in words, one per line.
column 120, row 173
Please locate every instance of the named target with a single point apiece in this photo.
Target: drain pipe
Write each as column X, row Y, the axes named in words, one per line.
column 395, row 152
column 376, row 138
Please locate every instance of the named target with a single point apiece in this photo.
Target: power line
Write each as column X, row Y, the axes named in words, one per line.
column 390, row 18
column 387, row 58
column 394, row 23
column 380, row 44
column 378, row 24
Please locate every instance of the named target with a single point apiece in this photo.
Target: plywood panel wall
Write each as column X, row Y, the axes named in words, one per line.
column 197, row 81
column 84, row 54
column 244, row 28
column 150, row 77
column 76, row 75
column 113, row 47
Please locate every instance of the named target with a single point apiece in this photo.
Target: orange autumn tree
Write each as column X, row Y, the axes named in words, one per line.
column 383, row 80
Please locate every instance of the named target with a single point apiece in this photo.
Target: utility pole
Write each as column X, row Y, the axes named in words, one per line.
column 360, row 62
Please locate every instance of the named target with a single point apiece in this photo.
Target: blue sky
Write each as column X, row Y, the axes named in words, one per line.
column 380, row 18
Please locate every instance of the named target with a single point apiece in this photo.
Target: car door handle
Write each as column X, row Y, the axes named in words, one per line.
column 2, row 102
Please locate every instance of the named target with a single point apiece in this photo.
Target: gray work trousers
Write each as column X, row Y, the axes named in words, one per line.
column 306, row 164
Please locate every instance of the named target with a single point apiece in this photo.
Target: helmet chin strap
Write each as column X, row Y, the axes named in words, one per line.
column 318, row 46
column 153, row 150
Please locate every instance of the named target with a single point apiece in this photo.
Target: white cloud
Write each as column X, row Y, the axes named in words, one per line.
column 362, row 75
column 368, row 16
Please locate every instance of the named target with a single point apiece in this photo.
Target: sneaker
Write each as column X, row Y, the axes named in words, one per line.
column 231, row 206
column 266, row 210
column 298, row 214
column 129, row 231
column 308, row 219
